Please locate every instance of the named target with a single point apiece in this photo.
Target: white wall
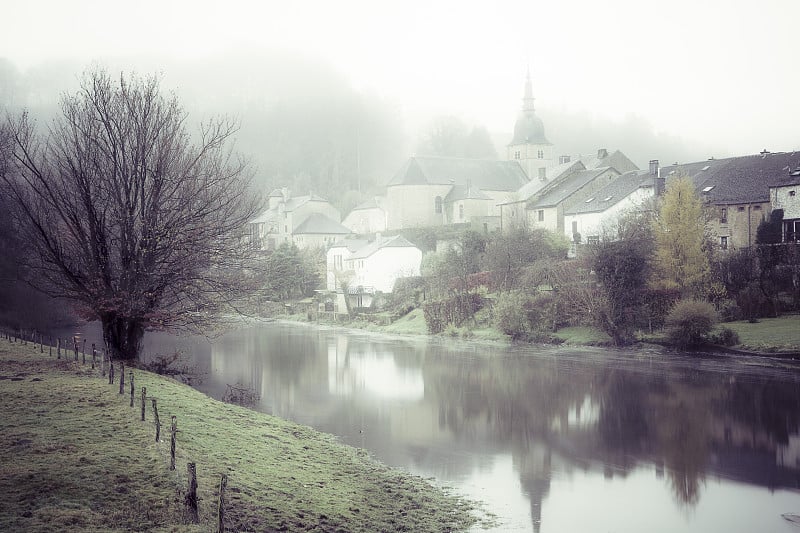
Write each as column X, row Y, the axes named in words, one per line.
column 592, row 224
column 381, row 269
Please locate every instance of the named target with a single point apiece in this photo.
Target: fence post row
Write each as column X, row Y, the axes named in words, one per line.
column 144, row 395
column 131, row 377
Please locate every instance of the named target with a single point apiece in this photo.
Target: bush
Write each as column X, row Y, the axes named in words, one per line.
column 509, row 316
column 725, row 337
column 689, row 323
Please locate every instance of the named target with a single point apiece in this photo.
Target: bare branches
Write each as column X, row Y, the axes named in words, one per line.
column 130, row 214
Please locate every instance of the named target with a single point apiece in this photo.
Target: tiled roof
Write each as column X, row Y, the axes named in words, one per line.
column 318, row 224
column 744, row 179
column 397, row 241
column 612, row 193
column 483, row 174
column 558, row 191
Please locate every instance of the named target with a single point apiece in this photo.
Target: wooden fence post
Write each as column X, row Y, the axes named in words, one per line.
column 84, row 351
column 94, row 355
column 144, row 395
column 58, row 347
column 110, row 372
column 131, row 376
column 172, row 443
column 158, row 422
column 75, row 347
column 223, row 482
column 41, row 346
column 191, row 495
column 50, row 345
column 121, row 377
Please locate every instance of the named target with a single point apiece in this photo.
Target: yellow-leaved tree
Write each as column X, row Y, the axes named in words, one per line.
column 681, row 258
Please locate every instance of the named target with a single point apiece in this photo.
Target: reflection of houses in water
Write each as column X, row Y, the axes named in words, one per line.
column 788, row 455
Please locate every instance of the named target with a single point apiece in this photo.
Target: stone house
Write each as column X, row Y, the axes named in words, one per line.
column 286, row 214
column 737, row 191
column 784, row 193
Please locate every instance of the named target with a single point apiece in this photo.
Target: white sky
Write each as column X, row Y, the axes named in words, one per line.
column 722, row 72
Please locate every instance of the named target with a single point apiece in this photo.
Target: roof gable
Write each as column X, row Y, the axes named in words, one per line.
column 317, row 223
column 613, row 193
column 397, row 241
column 558, row 191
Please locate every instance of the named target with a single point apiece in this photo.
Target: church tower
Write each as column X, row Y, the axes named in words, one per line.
column 529, row 147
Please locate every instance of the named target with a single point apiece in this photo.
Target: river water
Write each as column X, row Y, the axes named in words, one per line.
column 550, row 439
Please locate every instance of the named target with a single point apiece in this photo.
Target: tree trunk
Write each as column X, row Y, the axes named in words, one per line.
column 123, row 336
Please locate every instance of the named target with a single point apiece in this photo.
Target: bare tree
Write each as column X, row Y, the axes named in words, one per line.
column 127, row 214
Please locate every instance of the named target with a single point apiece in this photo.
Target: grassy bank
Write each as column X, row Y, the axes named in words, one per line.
column 75, row 456
column 781, row 334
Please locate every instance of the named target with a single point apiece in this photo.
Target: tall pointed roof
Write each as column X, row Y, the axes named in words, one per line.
column 529, row 128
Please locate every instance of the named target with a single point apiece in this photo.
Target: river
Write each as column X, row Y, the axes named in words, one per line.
column 549, row 439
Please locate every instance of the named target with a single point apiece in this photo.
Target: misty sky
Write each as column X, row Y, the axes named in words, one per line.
column 724, row 74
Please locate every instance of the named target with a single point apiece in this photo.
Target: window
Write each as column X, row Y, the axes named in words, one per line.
column 540, row 154
column 593, row 239
column 542, row 174
column 723, row 215
column 286, row 229
column 516, row 155
column 461, row 211
column 723, row 243
column 540, row 215
column 756, row 208
column 574, row 227
column 791, row 193
column 708, row 189
column 438, row 205
column 740, row 208
column 337, row 261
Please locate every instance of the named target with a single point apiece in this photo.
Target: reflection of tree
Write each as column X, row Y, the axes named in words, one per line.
column 624, row 423
column 766, row 404
column 684, row 438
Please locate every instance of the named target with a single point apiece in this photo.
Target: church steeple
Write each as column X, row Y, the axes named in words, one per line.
column 527, row 100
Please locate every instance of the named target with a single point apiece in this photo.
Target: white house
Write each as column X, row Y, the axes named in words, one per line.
column 286, row 213
column 371, row 267
column 369, row 217
column 587, row 218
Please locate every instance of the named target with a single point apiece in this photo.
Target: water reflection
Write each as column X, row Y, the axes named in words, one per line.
column 552, row 440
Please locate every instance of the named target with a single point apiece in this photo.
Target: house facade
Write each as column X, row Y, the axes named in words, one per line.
column 361, row 269
column 368, row 217
column 285, row 214
column 784, row 194
column 435, row 191
column 736, row 191
column 589, row 217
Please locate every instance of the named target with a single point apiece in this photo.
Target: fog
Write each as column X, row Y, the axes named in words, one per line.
column 331, row 99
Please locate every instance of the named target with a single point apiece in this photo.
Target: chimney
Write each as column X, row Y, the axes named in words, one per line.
column 602, row 153
column 654, row 167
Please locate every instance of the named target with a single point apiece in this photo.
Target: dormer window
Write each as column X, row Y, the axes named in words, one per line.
column 707, row 189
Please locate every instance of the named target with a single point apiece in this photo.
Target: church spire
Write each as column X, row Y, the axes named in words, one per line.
column 527, row 100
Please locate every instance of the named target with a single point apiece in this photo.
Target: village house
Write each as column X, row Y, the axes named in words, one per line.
column 738, row 191
column 436, row 191
column 366, row 268
column 783, row 194
column 368, row 217
column 593, row 213
column 306, row 221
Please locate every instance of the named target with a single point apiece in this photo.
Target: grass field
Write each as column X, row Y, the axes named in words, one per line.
column 768, row 334
column 76, row 457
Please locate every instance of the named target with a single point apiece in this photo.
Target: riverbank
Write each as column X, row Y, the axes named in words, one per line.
column 768, row 336
column 76, row 456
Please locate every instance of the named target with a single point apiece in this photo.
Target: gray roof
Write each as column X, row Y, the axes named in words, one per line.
column 351, row 244
column 529, row 129
column 616, row 160
column 372, row 203
column 397, row 241
column 319, row 224
column 558, row 191
column 613, row 193
column 481, row 173
column 463, row 192
column 734, row 180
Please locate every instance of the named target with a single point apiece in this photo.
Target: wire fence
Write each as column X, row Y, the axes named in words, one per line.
column 166, row 438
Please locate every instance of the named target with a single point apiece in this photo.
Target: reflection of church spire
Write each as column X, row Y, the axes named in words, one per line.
column 536, row 484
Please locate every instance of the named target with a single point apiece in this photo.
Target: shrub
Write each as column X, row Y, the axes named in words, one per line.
column 689, row 323
column 725, row 337
column 509, row 315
